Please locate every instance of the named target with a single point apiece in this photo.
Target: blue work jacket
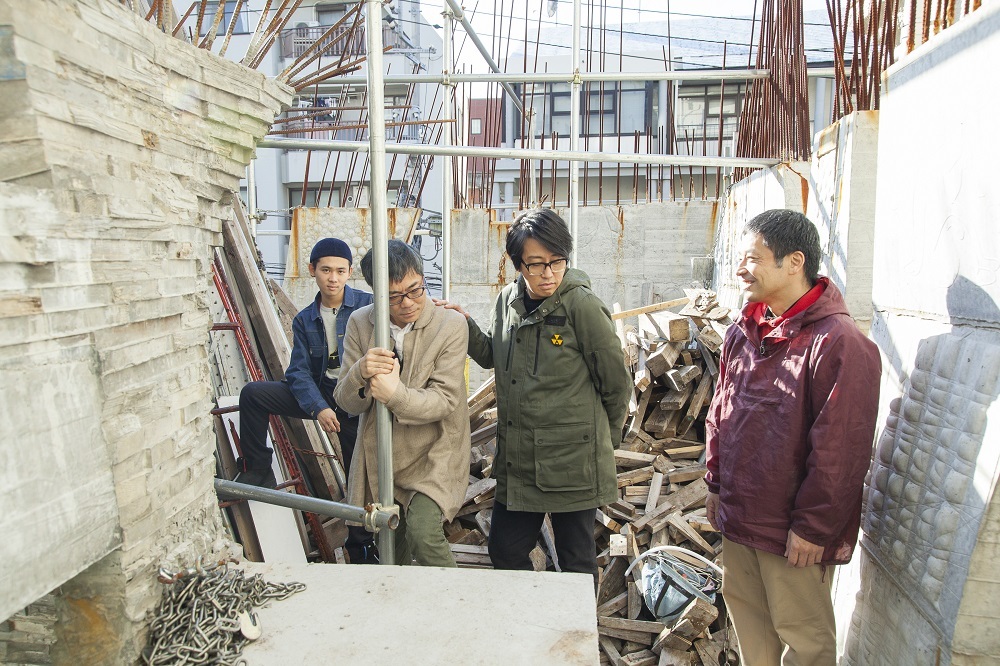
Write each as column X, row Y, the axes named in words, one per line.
column 310, row 351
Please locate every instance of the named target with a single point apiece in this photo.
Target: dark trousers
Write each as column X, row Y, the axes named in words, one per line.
column 514, row 533
column 258, row 400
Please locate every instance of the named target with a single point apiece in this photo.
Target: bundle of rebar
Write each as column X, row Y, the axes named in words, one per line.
column 774, row 121
column 864, row 39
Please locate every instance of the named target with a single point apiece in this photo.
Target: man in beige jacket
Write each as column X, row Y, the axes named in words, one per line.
column 422, row 382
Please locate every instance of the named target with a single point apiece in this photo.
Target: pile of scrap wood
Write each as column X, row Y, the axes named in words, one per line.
column 661, row 466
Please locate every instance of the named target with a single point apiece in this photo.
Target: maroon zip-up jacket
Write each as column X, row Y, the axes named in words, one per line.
column 790, row 430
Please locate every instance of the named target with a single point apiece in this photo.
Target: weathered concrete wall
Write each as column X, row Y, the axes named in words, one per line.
column 633, row 255
column 836, row 191
column 784, row 186
column 119, row 147
column 352, row 225
column 930, row 586
column 842, row 205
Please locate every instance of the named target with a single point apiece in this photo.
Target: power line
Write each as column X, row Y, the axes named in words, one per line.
column 686, row 58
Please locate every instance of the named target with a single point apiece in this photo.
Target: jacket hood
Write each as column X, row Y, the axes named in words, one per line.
column 830, row 303
column 573, row 279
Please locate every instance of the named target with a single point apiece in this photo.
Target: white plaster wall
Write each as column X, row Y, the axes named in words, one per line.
column 783, row 186
column 930, row 585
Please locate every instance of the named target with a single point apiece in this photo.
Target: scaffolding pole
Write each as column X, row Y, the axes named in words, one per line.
column 709, row 75
column 457, row 12
column 447, row 194
column 378, row 208
column 375, row 517
column 526, row 153
column 574, row 136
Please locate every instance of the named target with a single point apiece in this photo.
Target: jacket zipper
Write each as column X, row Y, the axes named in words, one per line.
column 597, row 373
column 538, row 343
column 510, row 348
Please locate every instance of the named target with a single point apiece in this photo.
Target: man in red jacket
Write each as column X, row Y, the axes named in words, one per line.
column 789, row 436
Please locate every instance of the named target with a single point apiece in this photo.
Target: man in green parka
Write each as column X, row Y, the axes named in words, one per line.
column 562, row 397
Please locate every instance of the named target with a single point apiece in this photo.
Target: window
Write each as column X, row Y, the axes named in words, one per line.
column 328, row 15
column 242, row 26
column 699, row 108
column 606, row 108
column 295, row 197
column 476, row 126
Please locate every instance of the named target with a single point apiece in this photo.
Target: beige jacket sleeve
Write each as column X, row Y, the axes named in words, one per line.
column 445, row 388
column 352, row 393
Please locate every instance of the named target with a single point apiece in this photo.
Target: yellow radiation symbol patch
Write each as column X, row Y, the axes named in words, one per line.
column 557, row 340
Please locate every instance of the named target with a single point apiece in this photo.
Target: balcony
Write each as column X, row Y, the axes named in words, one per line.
column 328, row 130
column 295, row 41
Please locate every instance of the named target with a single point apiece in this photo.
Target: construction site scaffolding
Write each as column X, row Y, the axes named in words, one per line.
column 377, row 148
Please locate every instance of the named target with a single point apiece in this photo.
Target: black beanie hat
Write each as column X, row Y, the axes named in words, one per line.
column 330, row 247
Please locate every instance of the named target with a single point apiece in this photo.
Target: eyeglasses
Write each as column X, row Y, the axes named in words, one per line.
column 412, row 294
column 556, row 266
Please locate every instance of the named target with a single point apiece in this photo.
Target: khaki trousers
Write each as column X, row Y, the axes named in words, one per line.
column 782, row 615
column 420, row 535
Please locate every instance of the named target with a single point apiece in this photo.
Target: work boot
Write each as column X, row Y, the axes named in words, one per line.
column 262, row 478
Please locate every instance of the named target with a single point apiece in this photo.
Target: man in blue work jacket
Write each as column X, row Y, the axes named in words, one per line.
column 307, row 390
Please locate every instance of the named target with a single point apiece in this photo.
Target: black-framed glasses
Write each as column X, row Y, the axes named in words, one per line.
column 556, row 266
column 412, row 294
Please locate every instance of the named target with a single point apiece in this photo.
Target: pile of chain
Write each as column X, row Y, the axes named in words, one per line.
column 206, row 615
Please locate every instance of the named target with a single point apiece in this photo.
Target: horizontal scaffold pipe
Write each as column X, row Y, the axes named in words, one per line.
column 557, row 77
column 524, row 153
column 242, row 491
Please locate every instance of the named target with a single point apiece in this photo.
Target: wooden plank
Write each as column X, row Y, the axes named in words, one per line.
column 676, row 399
column 643, row 376
column 242, row 517
column 656, row 307
column 550, row 542
column 635, row 476
column 652, row 514
column 691, row 534
column 667, row 325
column 655, row 486
column 678, row 378
column 709, row 337
column 607, row 522
column 684, row 474
column 697, row 402
column 671, row 657
column 608, row 648
column 663, row 358
column 612, row 580
column 478, row 488
column 634, row 601
column 684, row 452
column 631, row 460
column 640, row 658
column 484, row 434
column 691, row 495
column 626, row 624
column 614, row 605
column 709, row 652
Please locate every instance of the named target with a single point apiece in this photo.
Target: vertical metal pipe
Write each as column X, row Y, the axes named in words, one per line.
column 252, row 197
column 574, row 137
column 378, row 206
column 447, row 193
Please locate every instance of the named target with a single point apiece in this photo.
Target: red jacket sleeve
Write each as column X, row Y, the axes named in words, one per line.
column 712, row 422
column 844, row 388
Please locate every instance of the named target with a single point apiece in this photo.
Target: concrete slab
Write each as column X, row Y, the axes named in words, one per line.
column 424, row 615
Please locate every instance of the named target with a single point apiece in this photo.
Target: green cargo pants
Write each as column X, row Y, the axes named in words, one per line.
column 420, row 535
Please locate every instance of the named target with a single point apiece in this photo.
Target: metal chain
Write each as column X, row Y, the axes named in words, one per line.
column 206, row 615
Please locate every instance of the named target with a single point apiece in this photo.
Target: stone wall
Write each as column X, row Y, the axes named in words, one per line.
column 119, row 147
column 929, row 582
